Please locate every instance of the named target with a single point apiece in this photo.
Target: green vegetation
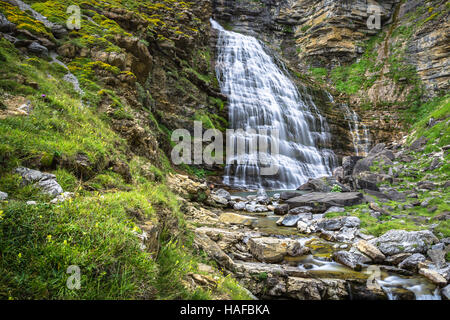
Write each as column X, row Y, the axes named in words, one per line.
column 98, row 228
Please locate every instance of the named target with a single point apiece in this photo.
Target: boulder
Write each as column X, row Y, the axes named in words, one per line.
column 6, row 25
column 3, row 196
column 239, row 206
column 418, row 144
column 338, row 223
column 273, row 250
column 370, row 251
column 59, row 31
column 348, row 164
column 300, row 210
column 400, row 241
column 377, row 149
column 45, row 181
column 438, row 257
column 364, row 165
column 233, row 218
column 323, row 201
column 352, row 260
column 281, row 209
column 433, row 276
column 324, row 184
column 38, row 49
column 334, row 209
column 412, row 263
column 290, row 220
column 222, row 193
column 288, row 195
column 397, row 258
column 252, row 207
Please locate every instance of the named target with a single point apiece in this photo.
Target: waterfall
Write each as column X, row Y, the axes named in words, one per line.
column 361, row 145
column 261, row 96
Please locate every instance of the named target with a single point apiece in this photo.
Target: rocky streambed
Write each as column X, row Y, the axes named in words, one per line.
column 313, row 243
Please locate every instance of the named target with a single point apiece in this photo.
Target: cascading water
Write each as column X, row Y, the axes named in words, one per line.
column 261, row 96
column 361, row 144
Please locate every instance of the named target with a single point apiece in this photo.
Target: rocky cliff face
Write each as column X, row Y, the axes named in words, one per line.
column 379, row 71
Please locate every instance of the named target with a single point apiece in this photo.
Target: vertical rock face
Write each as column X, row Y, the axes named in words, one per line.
column 412, row 39
column 429, row 48
column 326, row 32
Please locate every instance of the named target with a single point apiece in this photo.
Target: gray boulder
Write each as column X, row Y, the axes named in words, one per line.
column 354, row 261
column 399, row 241
column 281, row 209
column 377, row 149
column 45, row 181
column 223, row 194
column 322, row 201
column 324, row 184
column 412, row 263
column 38, row 49
column 348, row 164
column 6, row 25
column 239, row 206
column 364, row 165
column 3, row 196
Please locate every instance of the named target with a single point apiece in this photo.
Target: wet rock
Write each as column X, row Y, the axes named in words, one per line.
column 239, row 206
column 397, row 258
column 302, row 227
column 327, row 235
column 233, row 218
column 399, row 241
column 352, row 260
column 288, row 195
column 218, row 200
column 45, row 181
column 445, row 292
column 412, row 263
column 222, row 193
column 315, row 289
column 251, row 207
column 3, row 196
column 273, row 250
column 323, row 201
column 281, row 209
column 370, row 251
column 438, row 257
column 38, row 49
column 301, row 210
column 290, row 220
column 433, row 276
column 346, row 234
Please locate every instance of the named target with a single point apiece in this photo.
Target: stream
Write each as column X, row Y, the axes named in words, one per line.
column 320, row 264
